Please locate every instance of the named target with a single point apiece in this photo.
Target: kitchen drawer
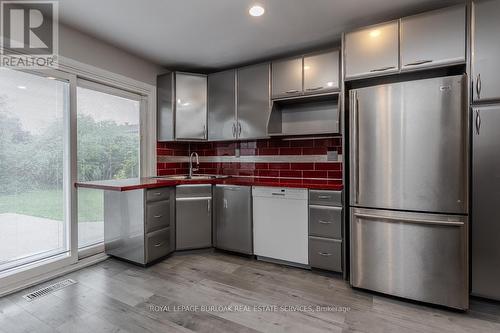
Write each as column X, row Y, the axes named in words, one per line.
column 325, row 221
column 325, row 198
column 157, row 244
column 325, row 254
column 157, row 215
column 157, row 194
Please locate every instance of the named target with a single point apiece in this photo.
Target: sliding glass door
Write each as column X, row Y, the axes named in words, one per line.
column 108, row 137
column 34, row 162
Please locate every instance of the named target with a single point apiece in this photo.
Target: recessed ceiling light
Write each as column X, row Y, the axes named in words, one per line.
column 51, row 78
column 22, row 87
column 374, row 33
column 257, row 10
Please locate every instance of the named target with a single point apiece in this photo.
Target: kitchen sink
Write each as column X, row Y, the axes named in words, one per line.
column 195, row 177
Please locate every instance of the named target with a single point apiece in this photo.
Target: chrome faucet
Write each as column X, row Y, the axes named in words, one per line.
column 191, row 169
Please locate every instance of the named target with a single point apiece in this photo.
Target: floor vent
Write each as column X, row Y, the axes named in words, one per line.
column 49, row 289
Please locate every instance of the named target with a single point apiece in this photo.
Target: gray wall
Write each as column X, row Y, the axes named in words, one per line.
column 86, row 49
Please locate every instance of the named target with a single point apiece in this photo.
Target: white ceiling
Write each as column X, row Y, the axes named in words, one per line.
column 213, row 34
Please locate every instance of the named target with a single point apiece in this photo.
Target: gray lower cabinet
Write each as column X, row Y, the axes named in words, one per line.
column 233, row 218
column 193, row 210
column 138, row 224
column 485, row 199
column 486, row 50
column 325, row 230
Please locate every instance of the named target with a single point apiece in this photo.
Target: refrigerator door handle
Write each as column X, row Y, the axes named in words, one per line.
column 478, row 122
column 355, row 111
column 415, row 221
column 478, row 86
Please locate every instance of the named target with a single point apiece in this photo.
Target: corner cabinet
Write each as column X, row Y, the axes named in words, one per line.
column 253, row 102
column 372, row 50
column 486, row 50
column 433, row 39
column 222, row 105
column 182, row 106
column 239, row 103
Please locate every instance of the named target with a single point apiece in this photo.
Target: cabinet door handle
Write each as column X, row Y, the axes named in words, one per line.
column 157, row 216
column 382, row 69
column 478, row 86
column 239, row 129
column 478, row 122
column 159, row 244
column 234, row 130
column 208, row 205
column 324, row 254
column 281, row 194
column 291, row 91
column 314, row 89
column 419, row 62
column 325, row 222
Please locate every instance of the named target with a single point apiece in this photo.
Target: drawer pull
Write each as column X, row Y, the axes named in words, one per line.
column 418, row 62
column 314, row 89
column 324, row 197
column 157, row 193
column 291, row 92
column 382, row 69
column 325, row 222
column 282, row 194
column 159, row 244
column 324, row 254
column 157, row 216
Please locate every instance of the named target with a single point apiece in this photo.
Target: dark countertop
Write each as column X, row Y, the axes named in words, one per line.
column 148, row 182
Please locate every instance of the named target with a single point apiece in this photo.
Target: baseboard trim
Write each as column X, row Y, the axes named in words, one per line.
column 89, row 261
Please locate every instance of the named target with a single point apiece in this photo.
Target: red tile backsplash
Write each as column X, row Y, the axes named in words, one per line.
column 172, row 157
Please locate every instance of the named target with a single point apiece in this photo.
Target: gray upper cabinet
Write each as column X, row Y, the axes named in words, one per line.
column 433, row 39
column 287, row 77
column 222, row 105
column 165, row 85
column 372, row 50
column 190, row 106
column 486, row 50
column 321, row 72
column 253, row 101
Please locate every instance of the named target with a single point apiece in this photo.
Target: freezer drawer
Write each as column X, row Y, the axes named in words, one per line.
column 325, row 221
column 325, row 253
column 412, row 255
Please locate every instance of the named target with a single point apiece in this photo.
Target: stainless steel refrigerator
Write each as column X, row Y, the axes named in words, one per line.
column 409, row 190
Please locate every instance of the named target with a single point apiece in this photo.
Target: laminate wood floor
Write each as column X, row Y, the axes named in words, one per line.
column 217, row 292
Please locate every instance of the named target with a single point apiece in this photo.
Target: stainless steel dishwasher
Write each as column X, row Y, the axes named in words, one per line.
column 233, row 218
column 193, row 210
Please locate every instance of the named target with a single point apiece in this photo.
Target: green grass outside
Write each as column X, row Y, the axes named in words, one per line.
column 49, row 204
